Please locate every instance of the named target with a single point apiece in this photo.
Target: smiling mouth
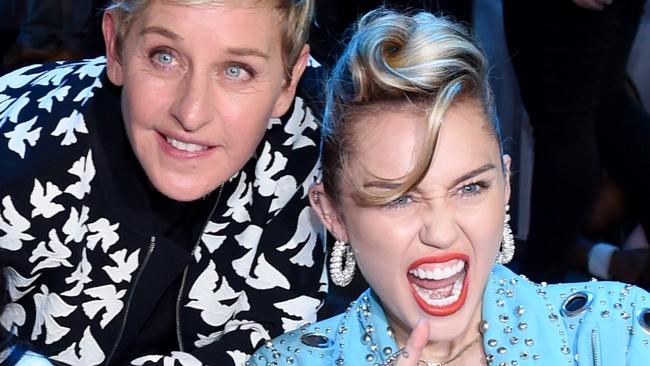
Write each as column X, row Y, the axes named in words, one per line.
column 439, row 285
column 185, row 146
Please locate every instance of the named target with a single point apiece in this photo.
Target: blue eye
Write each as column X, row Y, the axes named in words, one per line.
column 164, row 58
column 234, row 72
column 399, row 202
column 471, row 188
column 474, row 189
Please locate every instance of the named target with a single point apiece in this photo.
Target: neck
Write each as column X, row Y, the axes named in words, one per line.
column 438, row 350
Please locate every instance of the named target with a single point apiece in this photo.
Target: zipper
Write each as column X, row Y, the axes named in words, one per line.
column 595, row 347
column 179, row 335
column 152, row 245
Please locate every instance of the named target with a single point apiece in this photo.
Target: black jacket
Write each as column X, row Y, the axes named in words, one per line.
column 92, row 248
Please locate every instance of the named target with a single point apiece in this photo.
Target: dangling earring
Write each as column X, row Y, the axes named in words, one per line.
column 507, row 251
column 342, row 276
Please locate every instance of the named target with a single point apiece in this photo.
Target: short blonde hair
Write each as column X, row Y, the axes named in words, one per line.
column 297, row 16
column 421, row 62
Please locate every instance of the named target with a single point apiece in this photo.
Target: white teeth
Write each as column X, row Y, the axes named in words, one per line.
column 185, row 146
column 439, row 273
column 425, row 294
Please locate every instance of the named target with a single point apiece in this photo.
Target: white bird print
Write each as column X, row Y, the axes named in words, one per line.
column 41, row 198
column 300, row 120
column 87, row 93
column 207, row 296
column 302, row 310
column 23, row 135
column 15, row 282
column 90, row 354
column 267, row 276
column 242, row 196
column 48, row 307
column 53, row 253
column 81, row 276
column 47, row 100
column 68, row 126
column 108, row 298
column 306, row 232
column 104, row 232
column 14, row 226
column 11, row 108
column 84, row 168
column 265, row 170
column 75, row 227
column 125, row 266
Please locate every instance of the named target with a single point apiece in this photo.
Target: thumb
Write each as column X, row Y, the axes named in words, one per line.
column 416, row 341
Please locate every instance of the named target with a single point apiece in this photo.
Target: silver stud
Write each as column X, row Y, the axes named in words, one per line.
column 565, row 349
column 507, row 330
column 519, row 311
column 514, row 340
column 523, row 355
column 492, row 342
column 522, row 326
column 370, row 357
column 501, row 350
column 387, row 351
column 604, row 314
column 529, row 342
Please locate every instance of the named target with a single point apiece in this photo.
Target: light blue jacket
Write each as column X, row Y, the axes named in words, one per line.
column 590, row 323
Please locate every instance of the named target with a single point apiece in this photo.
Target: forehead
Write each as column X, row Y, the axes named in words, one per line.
column 389, row 142
column 228, row 23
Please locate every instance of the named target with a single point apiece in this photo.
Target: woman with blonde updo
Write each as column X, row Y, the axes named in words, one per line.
column 415, row 190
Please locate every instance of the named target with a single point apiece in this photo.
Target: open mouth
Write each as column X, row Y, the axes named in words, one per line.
column 439, row 284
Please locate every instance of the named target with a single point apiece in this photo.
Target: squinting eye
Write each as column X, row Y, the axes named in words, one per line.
column 470, row 188
column 399, row 202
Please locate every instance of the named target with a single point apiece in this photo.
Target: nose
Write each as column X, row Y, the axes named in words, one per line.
column 439, row 227
column 193, row 106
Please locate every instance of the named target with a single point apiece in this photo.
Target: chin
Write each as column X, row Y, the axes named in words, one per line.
column 183, row 193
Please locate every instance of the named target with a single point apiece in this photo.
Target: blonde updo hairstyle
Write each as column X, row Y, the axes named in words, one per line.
column 419, row 61
column 296, row 18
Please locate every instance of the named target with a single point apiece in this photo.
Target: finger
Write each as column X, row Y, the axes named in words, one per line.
column 418, row 338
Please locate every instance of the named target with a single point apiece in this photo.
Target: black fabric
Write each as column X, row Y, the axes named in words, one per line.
column 570, row 63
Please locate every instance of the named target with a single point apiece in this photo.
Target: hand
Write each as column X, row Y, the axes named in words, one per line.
column 631, row 266
column 593, row 4
column 414, row 344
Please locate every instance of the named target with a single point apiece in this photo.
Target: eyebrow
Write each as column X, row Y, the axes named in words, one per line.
column 388, row 185
column 247, row 52
column 161, row 31
column 473, row 173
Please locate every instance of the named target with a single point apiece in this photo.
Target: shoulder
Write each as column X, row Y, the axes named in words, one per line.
column 42, row 112
column 609, row 321
column 312, row 344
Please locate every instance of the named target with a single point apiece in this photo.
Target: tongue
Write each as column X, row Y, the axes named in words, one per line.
column 440, row 285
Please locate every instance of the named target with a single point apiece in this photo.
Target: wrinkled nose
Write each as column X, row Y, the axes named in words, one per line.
column 439, row 227
column 194, row 105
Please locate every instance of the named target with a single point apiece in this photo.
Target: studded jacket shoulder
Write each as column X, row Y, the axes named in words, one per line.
column 591, row 323
column 86, row 266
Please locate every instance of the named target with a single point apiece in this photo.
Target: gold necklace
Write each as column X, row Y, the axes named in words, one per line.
column 402, row 352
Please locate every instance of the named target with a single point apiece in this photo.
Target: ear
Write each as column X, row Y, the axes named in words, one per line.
column 289, row 91
column 507, row 161
column 326, row 210
column 113, row 62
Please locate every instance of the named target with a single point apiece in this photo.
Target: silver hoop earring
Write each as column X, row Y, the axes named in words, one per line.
column 507, row 250
column 342, row 275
